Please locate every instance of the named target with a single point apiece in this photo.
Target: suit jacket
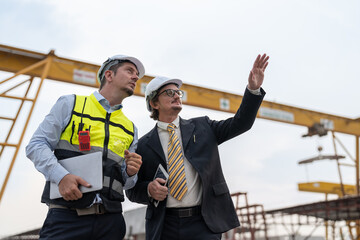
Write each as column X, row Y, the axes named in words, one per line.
column 217, row 207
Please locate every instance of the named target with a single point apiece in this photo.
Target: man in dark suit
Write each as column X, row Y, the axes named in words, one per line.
column 194, row 203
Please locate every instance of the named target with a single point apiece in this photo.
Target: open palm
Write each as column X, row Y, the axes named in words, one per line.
column 256, row 76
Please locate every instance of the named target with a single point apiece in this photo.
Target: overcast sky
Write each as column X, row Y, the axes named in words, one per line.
column 314, row 64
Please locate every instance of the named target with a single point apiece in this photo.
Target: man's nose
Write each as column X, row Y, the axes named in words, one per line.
column 176, row 95
column 135, row 77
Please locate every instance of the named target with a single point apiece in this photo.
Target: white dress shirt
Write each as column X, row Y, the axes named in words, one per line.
column 193, row 196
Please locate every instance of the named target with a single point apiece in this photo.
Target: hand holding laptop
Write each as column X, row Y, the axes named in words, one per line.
column 68, row 187
column 85, row 176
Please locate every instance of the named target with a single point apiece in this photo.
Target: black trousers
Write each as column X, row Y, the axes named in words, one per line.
column 187, row 228
column 66, row 224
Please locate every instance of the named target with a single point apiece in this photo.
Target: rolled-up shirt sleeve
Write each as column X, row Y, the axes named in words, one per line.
column 46, row 137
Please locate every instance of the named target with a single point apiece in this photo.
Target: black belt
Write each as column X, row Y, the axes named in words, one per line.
column 184, row 212
column 94, row 209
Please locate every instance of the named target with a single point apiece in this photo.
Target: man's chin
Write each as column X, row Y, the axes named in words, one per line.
column 177, row 108
column 129, row 92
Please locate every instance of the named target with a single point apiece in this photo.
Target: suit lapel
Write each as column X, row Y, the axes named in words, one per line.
column 155, row 144
column 187, row 128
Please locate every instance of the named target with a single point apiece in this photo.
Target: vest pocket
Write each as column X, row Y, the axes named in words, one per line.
column 116, row 191
column 114, row 184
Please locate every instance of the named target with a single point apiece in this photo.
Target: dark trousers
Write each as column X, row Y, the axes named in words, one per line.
column 66, row 224
column 187, row 228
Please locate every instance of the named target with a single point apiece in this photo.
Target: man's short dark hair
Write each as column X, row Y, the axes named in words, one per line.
column 113, row 68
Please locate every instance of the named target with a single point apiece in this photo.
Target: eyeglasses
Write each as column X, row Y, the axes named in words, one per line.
column 171, row 92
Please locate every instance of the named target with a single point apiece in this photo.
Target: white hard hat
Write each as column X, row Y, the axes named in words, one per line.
column 115, row 60
column 155, row 84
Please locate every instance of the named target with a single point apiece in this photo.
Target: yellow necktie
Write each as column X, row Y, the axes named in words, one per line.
column 177, row 180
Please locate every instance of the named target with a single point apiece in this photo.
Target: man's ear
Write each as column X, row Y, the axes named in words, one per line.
column 153, row 104
column 108, row 75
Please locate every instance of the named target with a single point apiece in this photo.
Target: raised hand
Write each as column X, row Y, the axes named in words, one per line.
column 256, row 76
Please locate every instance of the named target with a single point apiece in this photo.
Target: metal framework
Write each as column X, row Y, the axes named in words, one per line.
column 252, row 218
column 342, row 215
column 338, row 218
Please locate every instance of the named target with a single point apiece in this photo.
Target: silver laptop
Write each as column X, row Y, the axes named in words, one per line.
column 88, row 166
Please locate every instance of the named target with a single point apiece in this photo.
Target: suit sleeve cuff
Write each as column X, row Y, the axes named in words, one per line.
column 255, row 92
column 151, row 200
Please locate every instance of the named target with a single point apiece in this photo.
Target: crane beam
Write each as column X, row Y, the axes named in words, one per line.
column 83, row 73
column 327, row 188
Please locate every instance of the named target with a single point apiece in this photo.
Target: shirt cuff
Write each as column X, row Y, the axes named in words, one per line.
column 58, row 173
column 130, row 181
column 255, row 92
column 148, row 192
column 132, row 178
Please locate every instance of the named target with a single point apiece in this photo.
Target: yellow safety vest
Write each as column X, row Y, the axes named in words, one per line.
column 110, row 133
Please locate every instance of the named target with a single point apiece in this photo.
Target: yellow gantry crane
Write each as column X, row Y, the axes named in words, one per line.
column 35, row 65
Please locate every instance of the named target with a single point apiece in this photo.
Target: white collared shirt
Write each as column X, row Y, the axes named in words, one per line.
column 193, row 196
